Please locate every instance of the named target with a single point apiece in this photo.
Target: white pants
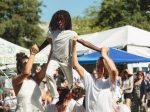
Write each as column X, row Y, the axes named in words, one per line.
column 66, row 67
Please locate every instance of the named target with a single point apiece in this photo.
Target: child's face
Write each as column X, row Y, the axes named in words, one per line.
column 60, row 22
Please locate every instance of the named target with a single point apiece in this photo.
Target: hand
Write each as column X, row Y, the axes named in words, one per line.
column 142, row 100
column 34, row 49
column 75, row 38
column 122, row 88
column 104, row 50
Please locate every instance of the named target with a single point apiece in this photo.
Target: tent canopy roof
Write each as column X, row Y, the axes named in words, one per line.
column 117, row 38
column 8, row 52
column 118, row 56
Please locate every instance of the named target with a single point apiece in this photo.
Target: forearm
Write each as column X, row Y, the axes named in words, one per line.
column 42, row 73
column 44, row 44
column 143, row 97
column 112, row 68
column 127, row 88
column 89, row 45
column 76, row 65
column 29, row 64
column 74, row 55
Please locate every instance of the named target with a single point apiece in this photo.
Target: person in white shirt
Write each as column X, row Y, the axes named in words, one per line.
column 63, row 104
column 99, row 93
column 127, row 86
column 61, row 34
column 78, row 95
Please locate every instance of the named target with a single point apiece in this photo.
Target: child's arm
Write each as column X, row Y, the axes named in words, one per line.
column 89, row 45
column 44, row 44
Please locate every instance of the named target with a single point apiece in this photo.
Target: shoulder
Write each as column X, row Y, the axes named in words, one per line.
column 51, row 108
column 71, row 32
column 87, row 73
column 60, row 76
column 143, row 82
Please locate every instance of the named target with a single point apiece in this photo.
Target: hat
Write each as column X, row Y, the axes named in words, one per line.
column 126, row 70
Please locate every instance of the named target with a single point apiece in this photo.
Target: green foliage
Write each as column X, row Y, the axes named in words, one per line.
column 114, row 13
column 19, row 21
column 84, row 25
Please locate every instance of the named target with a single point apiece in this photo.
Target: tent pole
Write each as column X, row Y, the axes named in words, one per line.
column 11, row 70
column 6, row 76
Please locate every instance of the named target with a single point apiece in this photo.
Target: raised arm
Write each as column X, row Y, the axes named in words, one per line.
column 45, row 43
column 40, row 76
column 75, row 63
column 89, row 45
column 110, row 63
column 28, row 67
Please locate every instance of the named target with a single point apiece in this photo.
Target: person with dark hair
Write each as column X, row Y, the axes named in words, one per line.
column 61, row 34
column 58, row 78
column 61, row 105
column 139, row 94
column 26, row 87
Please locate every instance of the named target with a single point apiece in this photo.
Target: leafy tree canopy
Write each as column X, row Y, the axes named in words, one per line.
column 19, row 21
column 115, row 13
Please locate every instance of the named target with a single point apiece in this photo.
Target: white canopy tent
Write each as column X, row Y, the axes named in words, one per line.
column 8, row 52
column 136, row 40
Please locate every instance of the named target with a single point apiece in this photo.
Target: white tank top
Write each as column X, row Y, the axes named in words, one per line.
column 29, row 97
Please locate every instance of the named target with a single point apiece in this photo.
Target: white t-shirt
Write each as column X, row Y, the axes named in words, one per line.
column 126, row 84
column 79, row 106
column 69, row 108
column 62, row 42
column 98, row 93
column 51, row 108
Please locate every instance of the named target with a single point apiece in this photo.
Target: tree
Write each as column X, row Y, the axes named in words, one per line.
column 84, row 25
column 19, row 21
column 114, row 13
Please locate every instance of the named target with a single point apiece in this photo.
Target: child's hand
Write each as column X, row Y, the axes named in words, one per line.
column 75, row 38
column 104, row 50
column 34, row 49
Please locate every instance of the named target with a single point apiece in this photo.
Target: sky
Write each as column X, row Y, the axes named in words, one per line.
column 74, row 7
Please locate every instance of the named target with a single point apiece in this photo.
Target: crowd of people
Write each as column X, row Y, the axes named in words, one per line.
column 46, row 90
